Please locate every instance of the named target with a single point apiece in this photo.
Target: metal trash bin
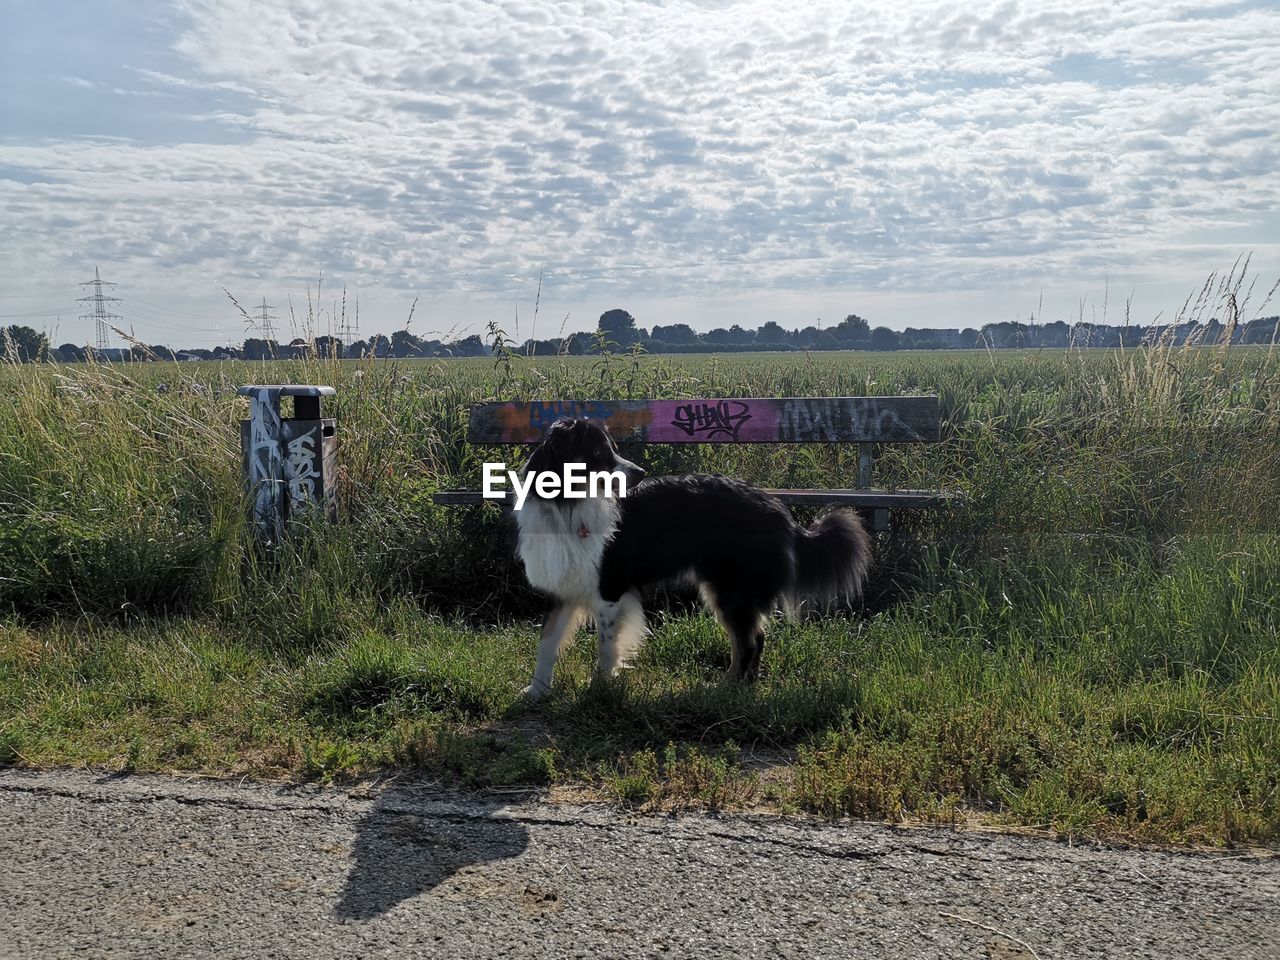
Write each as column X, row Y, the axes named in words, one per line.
column 290, row 463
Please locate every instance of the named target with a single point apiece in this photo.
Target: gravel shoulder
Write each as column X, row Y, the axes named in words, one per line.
column 144, row 866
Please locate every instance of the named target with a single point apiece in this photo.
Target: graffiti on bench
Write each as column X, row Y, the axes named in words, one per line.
column 767, row 420
column 543, row 415
column 817, row 420
column 712, row 420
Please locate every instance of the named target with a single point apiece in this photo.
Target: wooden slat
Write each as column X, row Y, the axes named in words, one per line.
column 733, row 420
column 865, row 498
column 899, row 499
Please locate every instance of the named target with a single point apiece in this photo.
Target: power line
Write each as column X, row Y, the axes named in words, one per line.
column 35, row 316
column 163, row 329
column 168, row 309
column 102, row 321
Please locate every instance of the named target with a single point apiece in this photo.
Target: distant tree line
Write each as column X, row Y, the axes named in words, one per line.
column 618, row 330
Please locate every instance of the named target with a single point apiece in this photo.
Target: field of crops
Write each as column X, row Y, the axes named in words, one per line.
column 1089, row 643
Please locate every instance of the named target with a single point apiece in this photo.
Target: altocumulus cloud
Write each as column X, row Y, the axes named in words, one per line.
column 664, row 150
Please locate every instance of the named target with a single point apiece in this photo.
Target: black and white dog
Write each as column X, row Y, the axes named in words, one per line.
column 738, row 543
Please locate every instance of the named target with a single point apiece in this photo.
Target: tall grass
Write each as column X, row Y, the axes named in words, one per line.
column 1088, row 640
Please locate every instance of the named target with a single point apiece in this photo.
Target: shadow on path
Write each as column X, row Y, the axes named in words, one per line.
column 401, row 852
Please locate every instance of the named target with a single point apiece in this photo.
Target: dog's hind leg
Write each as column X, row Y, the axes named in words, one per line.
column 622, row 629
column 745, row 626
column 736, row 651
column 751, row 672
column 557, row 631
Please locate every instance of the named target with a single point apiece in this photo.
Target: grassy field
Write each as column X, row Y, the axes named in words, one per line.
column 1090, row 643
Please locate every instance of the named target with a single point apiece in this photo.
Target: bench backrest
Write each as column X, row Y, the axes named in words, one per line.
column 735, row 420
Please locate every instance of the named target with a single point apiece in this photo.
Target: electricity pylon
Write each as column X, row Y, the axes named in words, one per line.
column 102, row 321
column 265, row 320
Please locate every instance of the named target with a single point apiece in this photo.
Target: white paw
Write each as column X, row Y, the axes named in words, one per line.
column 535, row 691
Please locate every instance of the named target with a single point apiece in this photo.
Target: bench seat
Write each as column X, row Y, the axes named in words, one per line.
column 792, row 498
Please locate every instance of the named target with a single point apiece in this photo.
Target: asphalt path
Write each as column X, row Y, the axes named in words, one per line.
column 134, row 866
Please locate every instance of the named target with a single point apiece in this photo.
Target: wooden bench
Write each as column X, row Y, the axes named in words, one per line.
column 866, row 421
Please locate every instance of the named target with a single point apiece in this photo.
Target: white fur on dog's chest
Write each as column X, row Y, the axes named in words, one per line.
column 558, row 558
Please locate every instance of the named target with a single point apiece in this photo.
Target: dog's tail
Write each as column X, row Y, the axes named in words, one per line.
column 832, row 558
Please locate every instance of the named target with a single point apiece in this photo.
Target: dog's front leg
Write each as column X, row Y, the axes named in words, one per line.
column 621, row 628
column 557, row 631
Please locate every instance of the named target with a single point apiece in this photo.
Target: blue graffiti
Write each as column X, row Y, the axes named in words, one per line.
column 542, row 415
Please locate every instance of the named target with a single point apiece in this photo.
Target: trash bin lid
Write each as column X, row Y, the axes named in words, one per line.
column 288, row 390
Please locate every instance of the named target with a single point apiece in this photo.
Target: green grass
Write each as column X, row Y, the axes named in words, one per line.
column 1090, row 643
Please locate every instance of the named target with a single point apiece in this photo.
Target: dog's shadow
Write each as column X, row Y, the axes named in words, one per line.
column 406, row 846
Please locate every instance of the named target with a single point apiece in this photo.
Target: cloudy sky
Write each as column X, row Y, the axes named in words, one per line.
column 703, row 162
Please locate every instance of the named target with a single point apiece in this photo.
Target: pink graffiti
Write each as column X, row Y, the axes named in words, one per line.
column 712, row 421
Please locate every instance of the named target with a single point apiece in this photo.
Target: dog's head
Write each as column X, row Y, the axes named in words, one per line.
column 581, row 441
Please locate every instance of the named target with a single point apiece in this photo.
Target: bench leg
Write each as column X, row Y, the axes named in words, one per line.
column 880, row 519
